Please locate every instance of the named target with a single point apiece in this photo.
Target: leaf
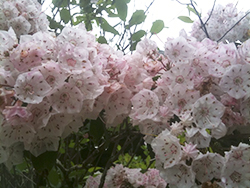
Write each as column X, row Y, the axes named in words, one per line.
column 45, row 161
column 137, row 18
column 122, row 9
column 106, row 27
column 157, row 26
column 138, row 35
column 53, row 24
column 102, row 40
column 53, row 177
column 60, row 3
column 190, row 9
column 96, row 130
column 133, row 45
column 79, row 19
column 185, row 19
column 65, row 15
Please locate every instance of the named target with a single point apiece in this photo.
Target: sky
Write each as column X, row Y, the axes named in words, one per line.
column 169, row 11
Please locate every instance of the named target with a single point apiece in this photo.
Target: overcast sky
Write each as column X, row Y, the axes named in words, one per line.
column 169, row 10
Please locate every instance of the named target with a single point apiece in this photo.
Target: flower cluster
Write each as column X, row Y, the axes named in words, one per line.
column 196, row 91
column 120, row 176
column 50, row 85
column 220, row 20
column 24, row 16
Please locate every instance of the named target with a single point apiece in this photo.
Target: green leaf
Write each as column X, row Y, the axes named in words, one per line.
column 45, row 161
column 185, row 19
column 122, row 9
column 96, row 130
column 157, row 26
column 102, row 40
column 53, row 24
column 65, row 15
column 190, row 9
column 133, row 45
column 106, row 27
column 79, row 19
column 53, row 177
column 138, row 35
column 60, row 3
column 137, row 18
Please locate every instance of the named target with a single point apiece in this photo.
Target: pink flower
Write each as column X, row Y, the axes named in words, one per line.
column 67, row 98
column 236, row 81
column 145, row 105
column 31, row 87
column 167, row 149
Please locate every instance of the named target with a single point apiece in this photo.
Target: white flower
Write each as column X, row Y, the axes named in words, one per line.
column 167, row 149
column 236, row 81
column 207, row 111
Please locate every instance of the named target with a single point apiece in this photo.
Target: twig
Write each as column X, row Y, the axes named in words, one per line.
column 210, row 13
column 137, row 147
column 183, row 3
column 203, row 27
column 233, row 27
column 71, row 21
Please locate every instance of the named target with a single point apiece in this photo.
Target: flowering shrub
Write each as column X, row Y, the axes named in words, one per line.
column 185, row 102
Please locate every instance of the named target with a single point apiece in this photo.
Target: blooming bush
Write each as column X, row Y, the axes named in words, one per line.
column 188, row 103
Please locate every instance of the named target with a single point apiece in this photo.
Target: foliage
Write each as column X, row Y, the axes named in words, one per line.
column 124, row 34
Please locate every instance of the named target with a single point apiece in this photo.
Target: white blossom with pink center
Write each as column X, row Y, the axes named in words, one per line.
column 15, row 155
column 167, row 149
column 88, row 84
column 145, row 105
column 236, row 81
column 219, row 131
column 207, row 111
column 46, row 41
column 7, row 40
column 67, row 98
column 10, row 134
column 4, row 154
column 13, row 114
column 75, row 36
column 179, row 175
column 55, row 126
column 189, row 151
column 221, row 59
column 118, row 104
column 53, row 74
column 152, row 128
column 74, row 59
column 179, row 50
column 40, row 113
column 136, row 74
column 25, row 17
column 154, row 179
column 41, row 145
column 27, row 55
column 244, row 51
column 31, row 87
column 211, row 164
column 197, row 136
column 182, row 100
column 245, row 108
column 180, row 75
column 233, row 176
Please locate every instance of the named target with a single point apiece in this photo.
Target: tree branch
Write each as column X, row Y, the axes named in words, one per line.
column 233, row 27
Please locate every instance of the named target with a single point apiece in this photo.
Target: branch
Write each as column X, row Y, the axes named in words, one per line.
column 233, row 27
column 183, row 3
column 203, row 27
column 210, row 13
